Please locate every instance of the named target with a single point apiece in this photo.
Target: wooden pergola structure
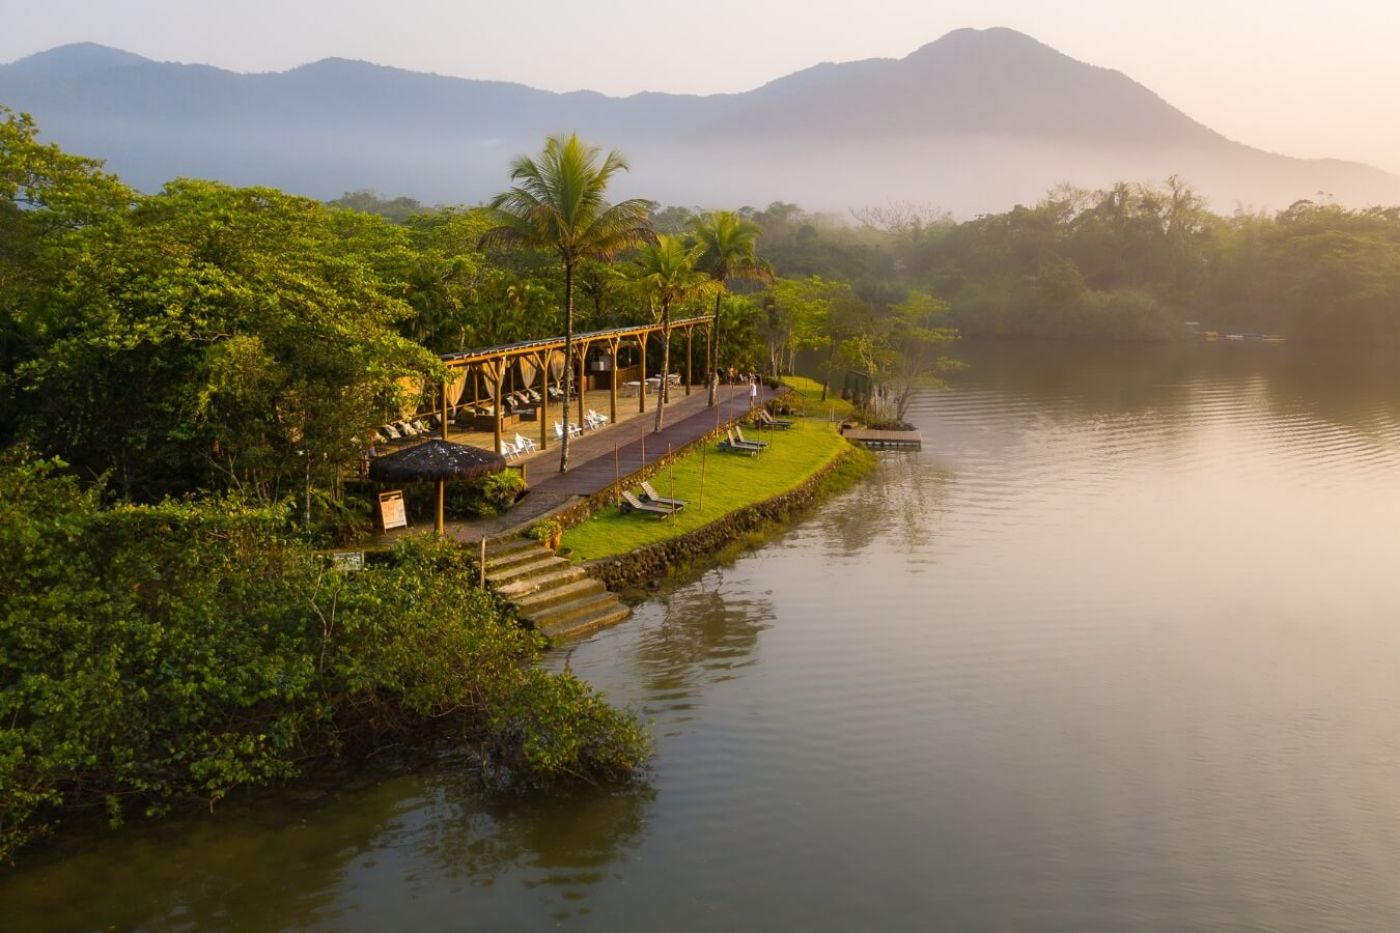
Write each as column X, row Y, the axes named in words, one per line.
column 517, row 364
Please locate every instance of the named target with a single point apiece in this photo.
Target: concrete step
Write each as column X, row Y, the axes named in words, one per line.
column 544, row 562
column 515, row 558
column 559, row 613
column 511, row 546
column 523, row 586
column 580, row 625
column 510, row 543
column 560, row 592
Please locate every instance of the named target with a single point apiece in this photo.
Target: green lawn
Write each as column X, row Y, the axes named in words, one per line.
column 732, row 481
column 809, row 392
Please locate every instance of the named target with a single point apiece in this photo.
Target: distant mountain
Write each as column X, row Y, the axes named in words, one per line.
column 975, row 121
column 995, row 82
column 80, row 58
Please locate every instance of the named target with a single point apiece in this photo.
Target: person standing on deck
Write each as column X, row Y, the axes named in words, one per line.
column 753, row 392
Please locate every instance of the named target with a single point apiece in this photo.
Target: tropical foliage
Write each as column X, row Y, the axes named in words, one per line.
column 729, row 244
column 558, row 204
column 157, row 656
column 666, row 271
column 1129, row 262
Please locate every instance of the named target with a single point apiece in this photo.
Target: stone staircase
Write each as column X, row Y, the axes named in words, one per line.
column 548, row 592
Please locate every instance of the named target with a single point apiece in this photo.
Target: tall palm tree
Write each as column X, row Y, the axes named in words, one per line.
column 667, row 270
column 729, row 244
column 557, row 204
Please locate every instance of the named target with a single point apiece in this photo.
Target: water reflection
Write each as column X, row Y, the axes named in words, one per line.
column 1346, row 386
column 349, row 858
column 688, row 638
column 247, row 866
column 902, row 499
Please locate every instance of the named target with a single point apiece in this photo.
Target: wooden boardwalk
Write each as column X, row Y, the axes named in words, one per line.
column 598, row 457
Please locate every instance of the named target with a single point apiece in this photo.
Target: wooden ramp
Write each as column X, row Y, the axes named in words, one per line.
column 884, row 440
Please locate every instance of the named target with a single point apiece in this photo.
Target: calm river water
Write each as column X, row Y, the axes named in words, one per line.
column 1120, row 649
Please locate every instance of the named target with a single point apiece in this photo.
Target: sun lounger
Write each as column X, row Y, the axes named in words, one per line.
column 524, row 445
column 742, row 444
column 768, row 421
column 732, row 446
column 739, row 433
column 631, row 503
column 650, row 495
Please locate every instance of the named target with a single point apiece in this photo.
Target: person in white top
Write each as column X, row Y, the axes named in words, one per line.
column 753, row 391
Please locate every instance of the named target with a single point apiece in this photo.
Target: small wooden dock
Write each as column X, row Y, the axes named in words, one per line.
column 884, row 440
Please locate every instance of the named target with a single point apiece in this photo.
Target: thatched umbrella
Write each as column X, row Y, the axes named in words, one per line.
column 436, row 460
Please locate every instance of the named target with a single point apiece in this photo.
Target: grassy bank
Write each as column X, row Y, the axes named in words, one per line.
column 732, row 482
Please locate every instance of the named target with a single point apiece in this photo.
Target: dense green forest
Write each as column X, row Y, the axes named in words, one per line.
column 1132, row 262
column 190, row 374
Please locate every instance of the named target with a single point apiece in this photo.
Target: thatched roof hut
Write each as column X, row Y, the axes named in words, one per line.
column 436, row 461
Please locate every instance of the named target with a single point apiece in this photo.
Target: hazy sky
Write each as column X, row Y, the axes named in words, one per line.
column 1301, row 77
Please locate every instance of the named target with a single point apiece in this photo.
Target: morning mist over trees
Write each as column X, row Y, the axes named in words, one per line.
column 976, row 121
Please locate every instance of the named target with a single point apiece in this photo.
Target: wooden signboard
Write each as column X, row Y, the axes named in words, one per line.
column 391, row 511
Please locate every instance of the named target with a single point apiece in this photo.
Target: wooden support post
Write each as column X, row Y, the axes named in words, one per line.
column 642, row 374
column 582, row 383
column 444, row 409
column 542, row 412
column 498, row 378
column 483, row 562
column 612, row 394
column 617, row 478
column 689, row 335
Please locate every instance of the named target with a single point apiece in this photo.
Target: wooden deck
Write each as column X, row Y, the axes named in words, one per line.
column 885, row 440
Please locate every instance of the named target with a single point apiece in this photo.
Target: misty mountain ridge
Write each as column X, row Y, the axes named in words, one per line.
column 975, row 121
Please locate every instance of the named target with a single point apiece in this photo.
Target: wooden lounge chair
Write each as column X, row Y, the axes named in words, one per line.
column 739, row 433
column 732, row 446
column 631, row 503
column 651, row 495
column 762, row 416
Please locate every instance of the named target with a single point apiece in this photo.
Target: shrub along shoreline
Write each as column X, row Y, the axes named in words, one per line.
column 154, row 657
